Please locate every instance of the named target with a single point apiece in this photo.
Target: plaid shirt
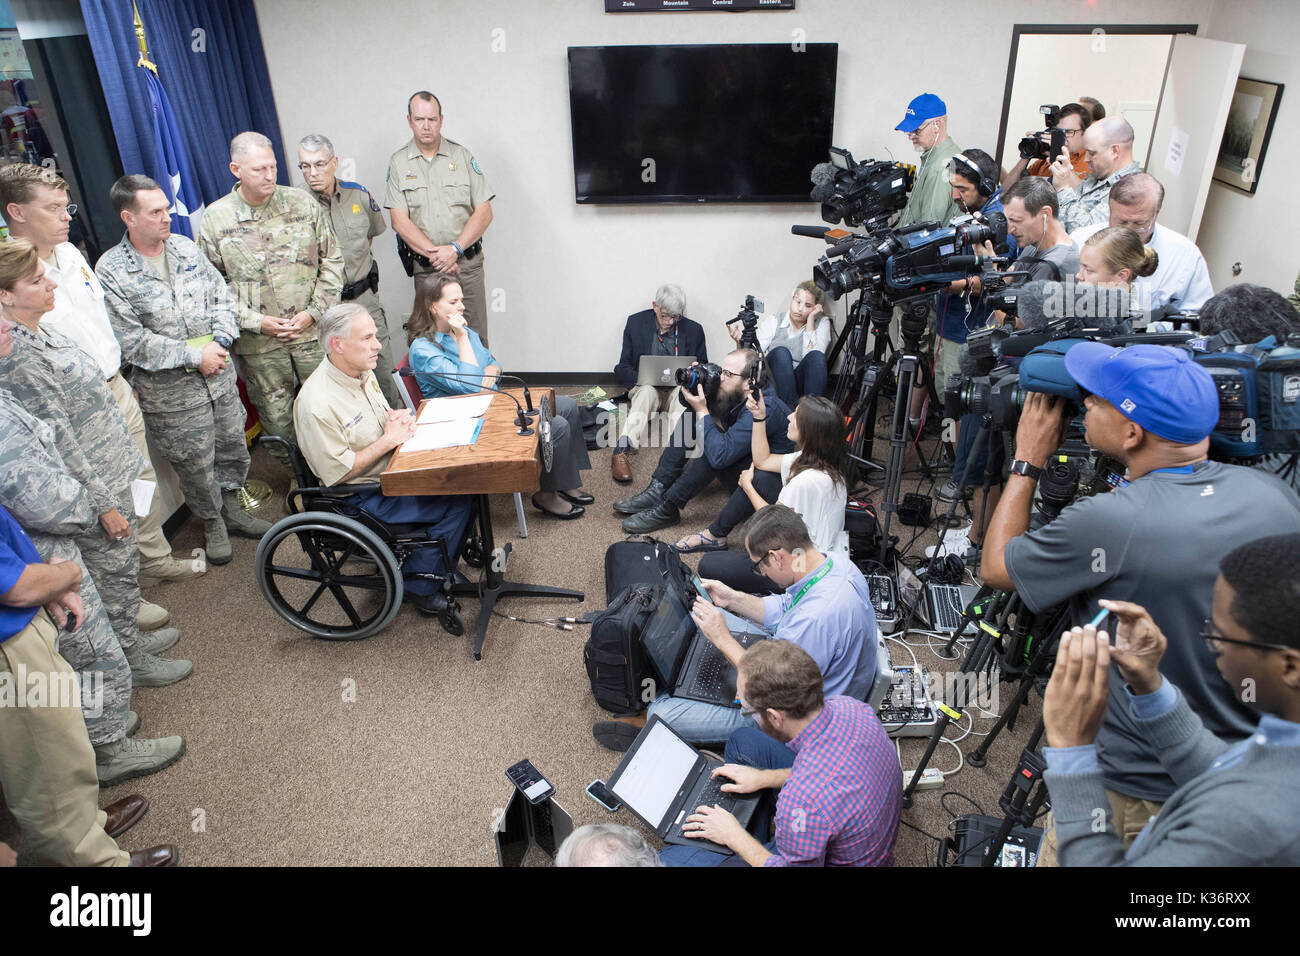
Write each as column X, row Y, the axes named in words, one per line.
column 841, row 804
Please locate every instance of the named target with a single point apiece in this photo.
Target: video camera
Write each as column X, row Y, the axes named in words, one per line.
column 909, row 263
column 1032, row 147
column 1259, row 394
column 748, row 315
column 862, row 192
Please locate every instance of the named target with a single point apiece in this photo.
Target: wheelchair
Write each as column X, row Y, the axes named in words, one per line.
column 334, row 571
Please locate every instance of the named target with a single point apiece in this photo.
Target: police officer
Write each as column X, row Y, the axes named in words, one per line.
column 356, row 219
column 55, row 380
column 275, row 247
column 175, row 320
column 56, row 510
column 441, row 205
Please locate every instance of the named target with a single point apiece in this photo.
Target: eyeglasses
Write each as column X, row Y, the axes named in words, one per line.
column 728, row 373
column 318, row 166
column 757, row 566
column 916, row 133
column 70, row 209
column 1212, row 636
column 1070, row 132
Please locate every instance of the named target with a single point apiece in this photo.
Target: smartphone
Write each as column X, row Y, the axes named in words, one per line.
column 530, row 782
column 700, row 589
column 604, row 796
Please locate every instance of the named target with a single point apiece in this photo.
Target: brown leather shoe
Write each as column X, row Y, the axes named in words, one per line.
column 124, row 814
column 620, row 468
column 165, row 854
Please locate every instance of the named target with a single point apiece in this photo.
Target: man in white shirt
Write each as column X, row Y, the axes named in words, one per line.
column 34, row 201
column 1181, row 279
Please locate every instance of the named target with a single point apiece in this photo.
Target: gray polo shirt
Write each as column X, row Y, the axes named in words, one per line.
column 1065, row 257
column 1156, row 542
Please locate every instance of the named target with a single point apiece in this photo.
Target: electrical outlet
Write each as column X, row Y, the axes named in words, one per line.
column 931, row 779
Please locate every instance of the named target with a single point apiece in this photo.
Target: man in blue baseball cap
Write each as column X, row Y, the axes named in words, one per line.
column 1155, row 540
column 926, row 125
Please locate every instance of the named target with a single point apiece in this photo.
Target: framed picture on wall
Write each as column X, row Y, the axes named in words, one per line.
column 1245, row 137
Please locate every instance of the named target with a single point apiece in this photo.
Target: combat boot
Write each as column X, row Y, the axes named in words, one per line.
column 150, row 616
column 653, row 494
column 127, row 758
column 168, row 569
column 217, row 541
column 155, row 642
column 150, row 671
column 239, row 521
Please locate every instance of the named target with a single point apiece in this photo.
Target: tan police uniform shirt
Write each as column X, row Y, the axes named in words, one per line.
column 439, row 194
column 336, row 416
column 356, row 219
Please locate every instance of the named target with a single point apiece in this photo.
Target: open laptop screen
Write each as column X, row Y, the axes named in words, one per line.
column 651, row 779
column 665, row 638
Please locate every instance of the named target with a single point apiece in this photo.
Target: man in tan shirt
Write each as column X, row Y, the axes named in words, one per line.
column 347, row 433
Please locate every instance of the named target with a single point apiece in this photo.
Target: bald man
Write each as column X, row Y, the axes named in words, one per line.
column 1108, row 147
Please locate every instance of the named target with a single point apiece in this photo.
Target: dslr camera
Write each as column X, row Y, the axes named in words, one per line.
column 858, row 193
column 1033, row 147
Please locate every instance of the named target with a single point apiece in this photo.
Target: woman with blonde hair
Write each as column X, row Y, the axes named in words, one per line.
column 1115, row 257
column 795, row 343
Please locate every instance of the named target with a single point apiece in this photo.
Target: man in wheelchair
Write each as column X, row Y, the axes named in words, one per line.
column 347, row 433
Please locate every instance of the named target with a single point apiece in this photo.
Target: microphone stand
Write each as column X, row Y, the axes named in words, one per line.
column 521, row 417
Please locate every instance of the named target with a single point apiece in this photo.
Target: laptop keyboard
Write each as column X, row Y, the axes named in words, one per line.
column 947, row 606
column 714, row 667
column 712, row 794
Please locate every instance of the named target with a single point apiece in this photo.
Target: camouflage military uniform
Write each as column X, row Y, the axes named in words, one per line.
column 280, row 258
column 163, row 322
column 356, row 219
column 59, row 383
column 1088, row 205
column 56, row 511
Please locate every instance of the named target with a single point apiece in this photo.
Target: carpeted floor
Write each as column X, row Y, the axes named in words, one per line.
column 392, row 750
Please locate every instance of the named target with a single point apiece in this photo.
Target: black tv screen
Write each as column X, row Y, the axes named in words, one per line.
column 715, row 123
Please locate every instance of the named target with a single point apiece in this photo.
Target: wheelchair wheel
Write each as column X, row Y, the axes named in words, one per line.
column 329, row 575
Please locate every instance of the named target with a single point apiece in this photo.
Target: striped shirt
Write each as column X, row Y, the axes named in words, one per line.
column 841, row 803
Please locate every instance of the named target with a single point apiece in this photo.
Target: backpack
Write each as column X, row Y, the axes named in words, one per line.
column 615, row 660
column 643, row 560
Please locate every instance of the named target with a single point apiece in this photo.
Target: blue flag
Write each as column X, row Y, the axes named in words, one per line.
column 171, row 166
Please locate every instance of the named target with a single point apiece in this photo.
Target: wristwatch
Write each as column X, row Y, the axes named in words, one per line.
column 1022, row 467
column 224, row 342
column 460, row 253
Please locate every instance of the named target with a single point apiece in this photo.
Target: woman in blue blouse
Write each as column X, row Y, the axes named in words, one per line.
column 448, row 358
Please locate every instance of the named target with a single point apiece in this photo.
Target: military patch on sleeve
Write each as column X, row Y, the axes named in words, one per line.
column 475, row 166
column 374, row 206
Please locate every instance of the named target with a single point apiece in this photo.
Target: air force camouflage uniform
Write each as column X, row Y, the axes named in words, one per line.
column 163, row 323
column 59, row 383
column 56, row 510
column 1088, row 203
column 280, row 258
column 356, row 219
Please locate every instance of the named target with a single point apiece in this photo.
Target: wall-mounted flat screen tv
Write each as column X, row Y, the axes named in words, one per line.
column 711, row 123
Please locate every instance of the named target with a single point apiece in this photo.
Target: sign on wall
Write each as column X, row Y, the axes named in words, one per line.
column 693, row 6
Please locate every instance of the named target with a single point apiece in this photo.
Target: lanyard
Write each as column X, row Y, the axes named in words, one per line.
column 821, row 573
column 661, row 338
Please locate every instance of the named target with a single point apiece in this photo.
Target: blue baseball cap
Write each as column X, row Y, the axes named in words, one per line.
column 924, row 108
column 1158, row 387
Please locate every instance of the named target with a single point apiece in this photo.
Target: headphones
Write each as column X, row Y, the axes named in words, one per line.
column 985, row 185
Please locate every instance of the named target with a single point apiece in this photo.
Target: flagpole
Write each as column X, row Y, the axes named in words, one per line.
column 144, row 60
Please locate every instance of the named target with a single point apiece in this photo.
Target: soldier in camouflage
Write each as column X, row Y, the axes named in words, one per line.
column 1108, row 146
column 275, row 247
column 356, row 220
column 175, row 320
column 61, row 384
column 56, row 511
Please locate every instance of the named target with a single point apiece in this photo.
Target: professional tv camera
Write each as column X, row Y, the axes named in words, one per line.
column 1032, row 147
column 858, row 193
column 1259, row 394
column 909, row 263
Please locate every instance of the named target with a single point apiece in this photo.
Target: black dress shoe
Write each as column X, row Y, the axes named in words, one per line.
column 577, row 511
column 653, row 494
column 663, row 515
column 582, row 498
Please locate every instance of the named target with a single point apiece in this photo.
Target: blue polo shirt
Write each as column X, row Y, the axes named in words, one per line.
column 954, row 322
column 16, row 552
column 834, row 622
column 439, row 370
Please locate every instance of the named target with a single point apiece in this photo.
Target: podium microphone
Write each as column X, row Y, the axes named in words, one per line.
column 521, row 417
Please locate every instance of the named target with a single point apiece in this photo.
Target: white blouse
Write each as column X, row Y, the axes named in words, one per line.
column 820, row 501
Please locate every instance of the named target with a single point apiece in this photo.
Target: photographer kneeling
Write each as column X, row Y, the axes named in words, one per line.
column 1234, row 805
column 1154, row 540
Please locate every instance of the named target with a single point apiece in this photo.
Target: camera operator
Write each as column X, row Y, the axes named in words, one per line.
column 795, row 343
column 1252, row 313
column 724, row 426
column 1153, row 540
column 926, row 125
column 1181, row 280
column 1073, row 120
column 1108, row 145
column 1235, row 803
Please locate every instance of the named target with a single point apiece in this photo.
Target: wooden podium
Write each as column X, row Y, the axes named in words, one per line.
column 501, row 461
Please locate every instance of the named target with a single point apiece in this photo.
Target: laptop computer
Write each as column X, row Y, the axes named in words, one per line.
column 944, row 605
column 524, row 825
column 684, row 660
column 660, row 371
column 662, row 779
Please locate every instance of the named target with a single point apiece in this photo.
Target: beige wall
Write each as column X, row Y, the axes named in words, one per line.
column 569, row 274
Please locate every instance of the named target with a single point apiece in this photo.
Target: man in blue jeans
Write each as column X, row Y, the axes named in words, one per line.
column 822, row 605
column 837, row 773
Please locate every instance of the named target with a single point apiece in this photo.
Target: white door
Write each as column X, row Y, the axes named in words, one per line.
column 1189, row 126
